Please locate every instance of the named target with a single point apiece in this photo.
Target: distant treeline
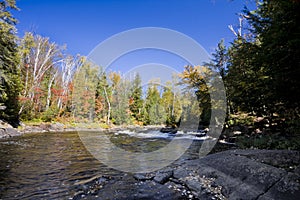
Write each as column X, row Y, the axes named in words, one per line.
column 260, row 70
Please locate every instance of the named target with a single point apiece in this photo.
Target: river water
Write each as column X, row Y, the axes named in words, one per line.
column 48, row 165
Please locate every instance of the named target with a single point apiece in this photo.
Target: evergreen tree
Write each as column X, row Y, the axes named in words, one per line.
column 219, row 59
column 10, row 84
column 263, row 69
column 83, row 97
column 154, row 111
column 136, row 101
column 269, row 61
column 103, row 98
column 120, row 104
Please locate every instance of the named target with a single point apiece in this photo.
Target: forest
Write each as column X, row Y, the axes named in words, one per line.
column 260, row 70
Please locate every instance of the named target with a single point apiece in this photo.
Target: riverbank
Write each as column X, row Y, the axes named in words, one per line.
column 6, row 130
column 233, row 174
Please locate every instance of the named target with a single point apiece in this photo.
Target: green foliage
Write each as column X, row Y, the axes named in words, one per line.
column 103, row 97
column 262, row 76
column 136, row 101
column 195, row 77
column 240, row 119
column 273, row 141
column 50, row 114
column 263, row 68
column 219, row 59
column 85, row 84
column 120, row 99
column 154, row 111
column 10, row 84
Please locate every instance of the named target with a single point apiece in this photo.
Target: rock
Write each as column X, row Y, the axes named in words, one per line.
column 162, row 177
column 5, row 125
column 193, row 184
column 286, row 188
column 143, row 177
column 2, row 133
column 232, row 174
column 129, row 189
column 56, row 127
column 180, row 172
column 8, row 132
column 169, row 130
column 12, row 132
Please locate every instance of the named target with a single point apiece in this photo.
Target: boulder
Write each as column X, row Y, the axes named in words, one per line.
column 170, row 130
column 8, row 132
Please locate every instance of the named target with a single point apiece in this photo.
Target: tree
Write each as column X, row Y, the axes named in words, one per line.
column 120, row 99
column 39, row 61
column 276, row 25
column 171, row 102
column 103, row 98
column 68, row 68
column 136, row 101
column 167, row 99
column 194, row 77
column 263, row 69
column 219, row 59
column 271, row 54
column 10, row 84
column 83, row 96
column 154, row 111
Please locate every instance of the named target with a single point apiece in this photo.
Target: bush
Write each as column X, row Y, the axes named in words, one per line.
column 50, row 114
column 271, row 141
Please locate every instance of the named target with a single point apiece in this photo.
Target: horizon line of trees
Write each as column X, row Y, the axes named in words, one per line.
column 260, row 70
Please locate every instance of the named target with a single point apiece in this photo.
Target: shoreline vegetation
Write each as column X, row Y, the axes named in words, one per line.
column 256, row 135
column 40, row 83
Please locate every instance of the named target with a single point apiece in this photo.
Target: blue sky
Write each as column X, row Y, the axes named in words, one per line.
column 82, row 25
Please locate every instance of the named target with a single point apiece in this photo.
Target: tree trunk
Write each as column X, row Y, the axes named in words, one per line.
column 49, row 92
column 109, row 106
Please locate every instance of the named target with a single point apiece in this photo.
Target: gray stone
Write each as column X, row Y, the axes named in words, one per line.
column 162, row 177
column 233, row 174
column 143, row 177
column 8, row 132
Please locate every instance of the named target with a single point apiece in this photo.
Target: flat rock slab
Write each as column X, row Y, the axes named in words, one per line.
column 246, row 174
column 233, row 174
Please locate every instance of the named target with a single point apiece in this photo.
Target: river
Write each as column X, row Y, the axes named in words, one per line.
column 48, row 165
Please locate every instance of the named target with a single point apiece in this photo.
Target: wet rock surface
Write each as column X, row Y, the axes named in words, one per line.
column 232, row 174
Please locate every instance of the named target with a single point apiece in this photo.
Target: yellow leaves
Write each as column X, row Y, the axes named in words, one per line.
column 115, row 77
column 196, row 76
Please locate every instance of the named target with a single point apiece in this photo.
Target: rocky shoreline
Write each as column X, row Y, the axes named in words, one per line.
column 232, row 174
column 6, row 130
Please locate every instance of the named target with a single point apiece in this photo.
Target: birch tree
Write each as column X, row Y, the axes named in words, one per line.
column 68, row 67
column 38, row 57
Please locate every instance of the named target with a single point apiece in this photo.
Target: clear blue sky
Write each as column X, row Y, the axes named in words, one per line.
column 82, row 24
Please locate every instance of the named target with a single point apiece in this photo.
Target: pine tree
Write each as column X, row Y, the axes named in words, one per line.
column 10, row 84
column 154, row 111
column 136, row 101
